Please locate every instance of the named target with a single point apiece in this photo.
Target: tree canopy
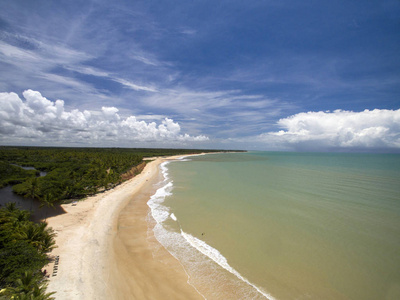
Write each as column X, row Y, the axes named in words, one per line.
column 71, row 172
column 23, row 253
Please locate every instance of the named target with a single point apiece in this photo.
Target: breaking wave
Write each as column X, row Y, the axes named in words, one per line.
column 205, row 265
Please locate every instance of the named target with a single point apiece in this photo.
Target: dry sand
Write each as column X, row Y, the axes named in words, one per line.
column 107, row 251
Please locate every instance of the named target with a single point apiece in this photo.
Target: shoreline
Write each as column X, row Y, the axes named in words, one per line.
column 97, row 259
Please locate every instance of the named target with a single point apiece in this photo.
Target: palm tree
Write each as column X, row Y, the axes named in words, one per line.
column 22, row 216
column 48, row 201
column 48, row 243
column 39, row 236
column 27, row 288
column 13, row 219
column 11, row 207
column 31, row 234
column 46, row 237
column 33, row 190
column 25, row 283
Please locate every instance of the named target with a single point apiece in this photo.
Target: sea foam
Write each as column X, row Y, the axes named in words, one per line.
column 217, row 257
column 190, row 251
column 173, row 217
column 160, row 212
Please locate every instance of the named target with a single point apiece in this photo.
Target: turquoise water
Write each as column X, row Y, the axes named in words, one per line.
column 284, row 225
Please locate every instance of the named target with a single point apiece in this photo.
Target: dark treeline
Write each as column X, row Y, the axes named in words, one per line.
column 71, row 172
column 23, row 253
column 10, row 174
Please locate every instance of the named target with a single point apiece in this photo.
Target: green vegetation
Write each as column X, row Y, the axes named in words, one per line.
column 72, row 172
column 10, row 174
column 23, row 253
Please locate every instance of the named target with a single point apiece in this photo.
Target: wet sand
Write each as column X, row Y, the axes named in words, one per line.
column 107, row 251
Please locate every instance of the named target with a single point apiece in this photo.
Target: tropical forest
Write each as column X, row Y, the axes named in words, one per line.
column 52, row 176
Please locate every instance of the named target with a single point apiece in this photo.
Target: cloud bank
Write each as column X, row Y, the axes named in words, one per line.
column 36, row 120
column 369, row 129
column 41, row 121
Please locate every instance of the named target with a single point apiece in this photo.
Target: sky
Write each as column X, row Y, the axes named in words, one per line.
column 254, row 75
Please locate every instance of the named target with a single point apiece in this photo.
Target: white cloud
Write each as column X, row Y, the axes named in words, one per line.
column 151, row 117
column 126, row 83
column 369, row 129
column 39, row 120
column 42, row 57
column 9, row 54
column 220, row 113
column 189, row 31
column 110, row 113
column 147, row 60
column 134, row 86
column 88, row 71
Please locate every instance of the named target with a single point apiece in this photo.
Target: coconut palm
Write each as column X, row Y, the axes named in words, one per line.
column 27, row 288
column 33, row 190
column 48, row 201
column 11, row 207
column 39, row 236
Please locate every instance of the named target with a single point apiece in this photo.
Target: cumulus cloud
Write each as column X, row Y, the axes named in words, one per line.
column 39, row 120
column 369, row 129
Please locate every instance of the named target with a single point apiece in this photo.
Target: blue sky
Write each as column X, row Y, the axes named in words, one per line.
column 265, row 75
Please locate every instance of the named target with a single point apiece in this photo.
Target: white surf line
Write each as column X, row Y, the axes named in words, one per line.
column 173, row 217
column 154, row 203
column 202, row 247
column 218, row 258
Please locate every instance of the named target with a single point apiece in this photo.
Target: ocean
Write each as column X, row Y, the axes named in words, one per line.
column 278, row 225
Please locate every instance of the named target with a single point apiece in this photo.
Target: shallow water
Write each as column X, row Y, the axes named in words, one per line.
column 284, row 225
column 35, row 207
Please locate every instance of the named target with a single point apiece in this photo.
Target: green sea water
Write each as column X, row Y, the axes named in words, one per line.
column 285, row 225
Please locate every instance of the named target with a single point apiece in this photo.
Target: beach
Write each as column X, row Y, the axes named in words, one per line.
column 277, row 225
column 261, row 225
column 99, row 259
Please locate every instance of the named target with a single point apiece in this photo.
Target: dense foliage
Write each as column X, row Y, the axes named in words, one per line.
column 10, row 174
column 71, row 172
column 23, row 253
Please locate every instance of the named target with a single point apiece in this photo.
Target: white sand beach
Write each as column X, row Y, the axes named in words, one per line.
column 99, row 260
